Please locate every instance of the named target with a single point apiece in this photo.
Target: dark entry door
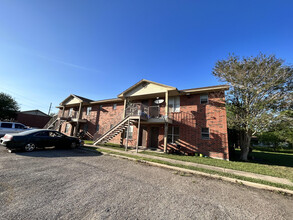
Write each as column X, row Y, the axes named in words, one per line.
column 154, row 136
column 142, row 136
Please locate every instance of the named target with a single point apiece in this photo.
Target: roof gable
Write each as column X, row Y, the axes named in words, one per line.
column 145, row 87
column 74, row 99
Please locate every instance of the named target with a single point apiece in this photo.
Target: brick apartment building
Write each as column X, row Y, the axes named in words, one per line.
column 193, row 122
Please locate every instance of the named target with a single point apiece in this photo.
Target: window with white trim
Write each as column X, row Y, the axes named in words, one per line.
column 67, row 128
column 204, row 99
column 174, row 104
column 205, row 133
column 130, row 133
column 88, row 110
column 70, row 112
column 173, row 135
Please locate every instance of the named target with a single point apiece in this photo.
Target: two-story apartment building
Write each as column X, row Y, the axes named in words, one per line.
column 152, row 115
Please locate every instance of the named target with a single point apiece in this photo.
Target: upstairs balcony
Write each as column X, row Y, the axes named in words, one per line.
column 148, row 114
column 72, row 117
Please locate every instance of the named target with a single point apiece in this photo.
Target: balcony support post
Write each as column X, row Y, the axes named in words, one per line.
column 77, row 123
column 166, row 120
column 127, row 133
column 124, row 110
column 138, row 130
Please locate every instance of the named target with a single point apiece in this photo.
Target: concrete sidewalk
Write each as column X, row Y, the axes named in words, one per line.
column 219, row 169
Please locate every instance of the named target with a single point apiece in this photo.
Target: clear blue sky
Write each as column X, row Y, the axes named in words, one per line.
column 97, row 49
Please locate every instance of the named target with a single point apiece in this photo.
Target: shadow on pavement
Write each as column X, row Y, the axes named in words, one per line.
column 58, row 153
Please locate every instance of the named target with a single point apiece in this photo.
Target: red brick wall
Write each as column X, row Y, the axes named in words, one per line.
column 108, row 116
column 193, row 116
column 36, row 121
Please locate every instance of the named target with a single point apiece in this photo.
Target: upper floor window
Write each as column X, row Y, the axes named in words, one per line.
column 114, row 106
column 204, row 99
column 70, row 112
column 205, row 133
column 174, row 104
column 88, row 110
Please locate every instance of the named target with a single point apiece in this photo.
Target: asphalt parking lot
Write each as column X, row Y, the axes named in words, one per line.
column 75, row 184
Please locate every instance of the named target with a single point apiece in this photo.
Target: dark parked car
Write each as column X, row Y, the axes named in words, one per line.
column 38, row 138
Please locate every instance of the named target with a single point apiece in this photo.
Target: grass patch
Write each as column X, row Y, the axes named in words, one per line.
column 270, row 149
column 253, row 167
column 198, row 169
column 88, row 142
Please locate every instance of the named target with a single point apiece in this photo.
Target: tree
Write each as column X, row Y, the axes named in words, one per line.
column 8, row 107
column 282, row 128
column 261, row 87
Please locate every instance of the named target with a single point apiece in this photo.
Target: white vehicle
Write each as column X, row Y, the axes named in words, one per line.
column 11, row 127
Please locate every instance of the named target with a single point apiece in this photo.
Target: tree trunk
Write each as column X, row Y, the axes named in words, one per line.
column 244, row 145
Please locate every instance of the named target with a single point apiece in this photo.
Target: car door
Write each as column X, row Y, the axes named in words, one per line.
column 60, row 140
column 42, row 139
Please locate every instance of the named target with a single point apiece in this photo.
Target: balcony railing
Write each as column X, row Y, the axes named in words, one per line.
column 144, row 111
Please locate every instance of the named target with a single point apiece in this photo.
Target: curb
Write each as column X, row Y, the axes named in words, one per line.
column 215, row 176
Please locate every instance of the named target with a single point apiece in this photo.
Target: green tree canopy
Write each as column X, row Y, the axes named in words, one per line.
column 8, row 107
column 261, row 87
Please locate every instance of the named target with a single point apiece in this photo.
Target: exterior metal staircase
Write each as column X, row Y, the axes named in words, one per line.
column 51, row 122
column 117, row 129
column 54, row 123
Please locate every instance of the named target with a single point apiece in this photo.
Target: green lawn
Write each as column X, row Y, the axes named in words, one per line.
column 193, row 168
column 279, row 169
column 266, row 163
column 88, row 142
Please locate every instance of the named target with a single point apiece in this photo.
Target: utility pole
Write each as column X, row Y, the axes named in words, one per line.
column 50, row 108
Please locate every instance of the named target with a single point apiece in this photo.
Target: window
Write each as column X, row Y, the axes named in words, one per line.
column 173, row 135
column 101, row 106
column 56, row 134
column 6, row 125
column 204, row 99
column 111, row 126
column 42, row 134
column 114, row 106
column 70, row 112
column 88, row 110
column 19, row 126
column 130, row 133
column 205, row 133
column 98, row 128
column 174, row 104
column 67, row 128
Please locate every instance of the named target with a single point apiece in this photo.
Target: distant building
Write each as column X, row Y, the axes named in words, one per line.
column 33, row 118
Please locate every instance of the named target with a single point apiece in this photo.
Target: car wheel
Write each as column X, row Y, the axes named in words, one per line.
column 29, row 147
column 73, row 145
